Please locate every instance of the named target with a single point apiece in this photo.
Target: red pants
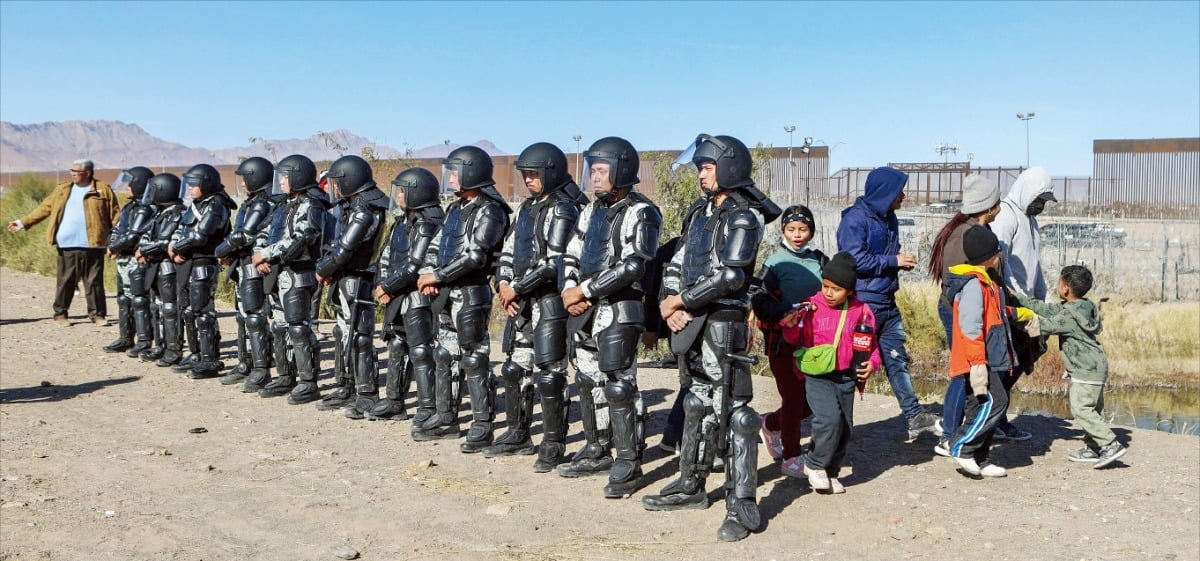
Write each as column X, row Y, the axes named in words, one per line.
column 794, row 406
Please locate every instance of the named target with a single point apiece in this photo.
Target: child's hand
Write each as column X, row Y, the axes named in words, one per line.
column 864, row 371
column 978, row 377
column 790, row 320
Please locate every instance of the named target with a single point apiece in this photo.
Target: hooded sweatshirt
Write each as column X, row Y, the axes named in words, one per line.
column 1018, row 234
column 870, row 232
column 819, row 327
column 1077, row 323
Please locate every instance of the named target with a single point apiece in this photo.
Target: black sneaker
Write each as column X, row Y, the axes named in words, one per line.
column 1109, row 454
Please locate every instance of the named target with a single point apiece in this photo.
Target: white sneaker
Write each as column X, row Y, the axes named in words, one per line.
column 835, row 486
column 817, row 479
column 942, row 448
column 993, row 470
column 968, row 465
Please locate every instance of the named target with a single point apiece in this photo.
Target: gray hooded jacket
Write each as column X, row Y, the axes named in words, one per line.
column 1018, row 234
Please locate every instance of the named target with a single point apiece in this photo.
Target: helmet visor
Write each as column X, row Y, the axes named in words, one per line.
column 704, row 147
column 278, row 181
column 240, row 192
column 186, row 185
column 451, row 174
column 148, row 194
column 598, row 173
column 333, row 188
column 121, row 183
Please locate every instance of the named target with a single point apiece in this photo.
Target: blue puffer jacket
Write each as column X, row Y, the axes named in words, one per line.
column 870, row 232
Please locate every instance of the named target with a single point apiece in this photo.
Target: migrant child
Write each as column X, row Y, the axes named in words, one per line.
column 1077, row 323
column 981, row 350
column 790, row 276
column 827, row 322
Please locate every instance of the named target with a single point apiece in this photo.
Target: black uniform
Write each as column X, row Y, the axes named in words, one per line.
column 408, row 326
column 711, row 271
column 163, row 192
column 197, row 242
column 466, row 249
column 253, row 312
column 135, row 220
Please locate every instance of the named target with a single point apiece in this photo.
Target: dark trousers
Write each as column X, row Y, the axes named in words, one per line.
column 794, row 405
column 74, row 265
column 831, row 398
column 974, row 438
column 673, row 431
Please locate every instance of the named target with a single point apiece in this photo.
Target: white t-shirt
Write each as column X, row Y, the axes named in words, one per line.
column 72, row 230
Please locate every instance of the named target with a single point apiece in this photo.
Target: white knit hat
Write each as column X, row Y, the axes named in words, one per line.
column 979, row 194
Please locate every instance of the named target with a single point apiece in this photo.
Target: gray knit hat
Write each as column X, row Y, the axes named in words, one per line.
column 979, row 194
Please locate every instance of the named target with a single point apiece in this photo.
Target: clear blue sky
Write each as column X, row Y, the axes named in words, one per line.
column 880, row 81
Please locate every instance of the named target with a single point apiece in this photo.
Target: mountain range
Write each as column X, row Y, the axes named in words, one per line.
column 115, row 144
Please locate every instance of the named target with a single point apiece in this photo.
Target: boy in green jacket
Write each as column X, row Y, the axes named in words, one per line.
column 1077, row 323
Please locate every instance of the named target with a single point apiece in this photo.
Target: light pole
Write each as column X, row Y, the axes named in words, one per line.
column 806, row 149
column 791, row 163
column 578, row 172
column 1026, row 117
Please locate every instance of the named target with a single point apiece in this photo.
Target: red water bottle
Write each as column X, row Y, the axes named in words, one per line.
column 862, row 341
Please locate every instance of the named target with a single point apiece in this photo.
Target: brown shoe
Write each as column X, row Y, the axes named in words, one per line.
column 62, row 320
column 100, row 320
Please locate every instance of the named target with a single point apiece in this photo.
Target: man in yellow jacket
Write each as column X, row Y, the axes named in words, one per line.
column 81, row 213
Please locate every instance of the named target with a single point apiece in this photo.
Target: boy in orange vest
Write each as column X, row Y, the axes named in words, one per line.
column 982, row 349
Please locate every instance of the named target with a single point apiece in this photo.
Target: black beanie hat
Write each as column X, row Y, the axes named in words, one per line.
column 841, row 270
column 798, row 213
column 980, row 244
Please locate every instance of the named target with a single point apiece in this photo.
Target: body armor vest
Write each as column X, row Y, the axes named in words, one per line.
column 166, row 223
column 700, row 255
column 202, row 210
column 454, row 233
column 529, row 243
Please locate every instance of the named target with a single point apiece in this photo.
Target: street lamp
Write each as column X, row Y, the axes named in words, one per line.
column 1026, row 117
column 791, row 164
column 805, row 149
column 578, row 172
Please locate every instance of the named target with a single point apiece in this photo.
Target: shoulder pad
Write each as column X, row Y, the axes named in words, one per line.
column 743, row 219
column 566, row 208
column 491, row 193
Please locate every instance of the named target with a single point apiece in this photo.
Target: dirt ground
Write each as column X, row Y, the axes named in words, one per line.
column 97, row 462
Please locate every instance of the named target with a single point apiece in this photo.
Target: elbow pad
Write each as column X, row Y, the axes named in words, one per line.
column 619, row 276
column 533, row 279
column 712, row 287
column 472, row 260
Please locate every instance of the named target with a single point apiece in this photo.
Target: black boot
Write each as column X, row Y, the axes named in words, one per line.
column 683, row 493
column 152, row 354
column 340, row 397
column 136, row 350
column 304, row 392
column 479, row 384
column 236, row 375
column 518, row 410
column 741, row 517
column 280, row 386
column 119, row 345
column 186, row 363
column 440, row 426
column 170, row 357
column 124, row 326
column 361, row 406
column 625, row 477
column 256, row 380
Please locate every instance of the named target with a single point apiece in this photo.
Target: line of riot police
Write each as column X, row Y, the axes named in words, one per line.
column 569, row 272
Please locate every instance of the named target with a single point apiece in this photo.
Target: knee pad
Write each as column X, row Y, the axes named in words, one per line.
column 298, row 332
column 551, row 383
column 512, row 373
column 255, row 321
column 123, row 300
column 362, row 342
column 205, row 321
column 421, row 353
column 140, row 302
column 693, row 406
column 619, row 392
column 442, row 357
column 586, row 383
column 397, row 346
column 337, row 332
column 745, row 421
column 189, row 315
column 474, row 361
column 169, row 310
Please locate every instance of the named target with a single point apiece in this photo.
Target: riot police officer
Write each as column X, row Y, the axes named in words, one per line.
column 536, row 333
column 163, row 192
column 293, row 246
column 617, row 235
column 349, row 268
column 408, row 324
column 197, row 243
column 135, row 219
column 706, row 302
column 466, row 248
column 254, row 176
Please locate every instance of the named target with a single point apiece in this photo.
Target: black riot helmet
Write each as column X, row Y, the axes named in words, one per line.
column 419, row 186
column 466, row 168
column 622, row 160
column 256, row 173
column 348, row 176
column 203, row 176
column 728, row 153
column 301, row 174
column 162, row 190
column 549, row 162
column 138, row 176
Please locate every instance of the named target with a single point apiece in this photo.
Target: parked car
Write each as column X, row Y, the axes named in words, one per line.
column 1082, row 234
